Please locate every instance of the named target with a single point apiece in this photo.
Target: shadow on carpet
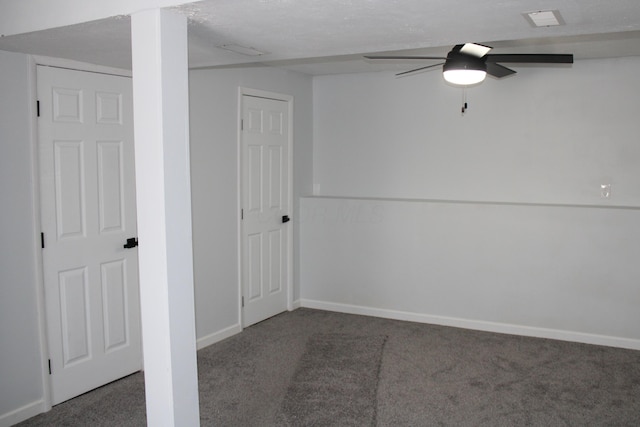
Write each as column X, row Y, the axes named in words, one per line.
column 335, row 382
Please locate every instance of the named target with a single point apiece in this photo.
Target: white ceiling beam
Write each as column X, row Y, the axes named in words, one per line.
column 25, row 16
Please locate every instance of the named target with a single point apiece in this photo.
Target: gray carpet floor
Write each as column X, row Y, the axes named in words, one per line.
column 336, row 382
column 428, row 376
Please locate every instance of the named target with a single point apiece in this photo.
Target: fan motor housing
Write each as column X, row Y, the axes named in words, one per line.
column 460, row 61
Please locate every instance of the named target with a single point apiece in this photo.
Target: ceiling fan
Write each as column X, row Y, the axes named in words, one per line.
column 469, row 63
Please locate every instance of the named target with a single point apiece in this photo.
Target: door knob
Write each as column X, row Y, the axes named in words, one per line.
column 285, row 218
column 132, row 242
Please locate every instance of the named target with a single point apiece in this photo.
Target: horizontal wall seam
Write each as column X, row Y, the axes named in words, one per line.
column 478, row 202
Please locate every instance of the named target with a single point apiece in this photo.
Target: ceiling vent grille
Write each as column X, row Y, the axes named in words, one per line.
column 544, row 18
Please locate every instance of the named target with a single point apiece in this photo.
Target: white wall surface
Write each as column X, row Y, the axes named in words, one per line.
column 21, row 388
column 214, row 171
column 549, row 135
column 544, row 137
column 552, row 271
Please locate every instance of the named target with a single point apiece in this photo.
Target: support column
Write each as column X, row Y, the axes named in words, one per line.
column 161, row 126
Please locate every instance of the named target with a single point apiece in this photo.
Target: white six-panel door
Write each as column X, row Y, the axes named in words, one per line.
column 265, row 202
column 88, row 211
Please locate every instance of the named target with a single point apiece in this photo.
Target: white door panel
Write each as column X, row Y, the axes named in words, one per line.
column 265, row 201
column 88, row 211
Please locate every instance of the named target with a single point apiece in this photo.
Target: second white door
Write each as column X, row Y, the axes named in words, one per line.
column 266, row 206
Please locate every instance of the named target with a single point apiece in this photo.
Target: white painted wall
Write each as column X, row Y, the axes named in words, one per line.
column 214, row 171
column 550, row 135
column 21, row 389
column 544, row 136
column 552, row 271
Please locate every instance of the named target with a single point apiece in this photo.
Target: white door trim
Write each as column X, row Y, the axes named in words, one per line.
column 37, row 244
column 289, row 100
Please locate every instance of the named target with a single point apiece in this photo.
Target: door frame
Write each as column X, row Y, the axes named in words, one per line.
column 36, row 60
column 242, row 91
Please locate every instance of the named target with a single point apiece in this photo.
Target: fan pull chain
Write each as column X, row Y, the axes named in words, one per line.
column 464, row 101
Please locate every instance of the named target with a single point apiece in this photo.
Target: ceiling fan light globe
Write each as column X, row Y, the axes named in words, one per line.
column 464, row 77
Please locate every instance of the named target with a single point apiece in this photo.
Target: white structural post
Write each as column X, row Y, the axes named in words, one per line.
column 161, row 126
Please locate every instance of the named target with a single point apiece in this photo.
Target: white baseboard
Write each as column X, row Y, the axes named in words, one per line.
column 218, row 336
column 503, row 328
column 296, row 304
column 24, row 413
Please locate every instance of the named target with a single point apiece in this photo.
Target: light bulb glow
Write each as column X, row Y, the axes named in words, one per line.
column 464, row 76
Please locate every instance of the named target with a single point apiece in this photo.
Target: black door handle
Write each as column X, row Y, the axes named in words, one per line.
column 285, row 218
column 132, row 242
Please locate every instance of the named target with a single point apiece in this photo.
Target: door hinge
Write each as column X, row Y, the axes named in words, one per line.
column 241, row 124
column 42, row 240
column 38, row 108
column 242, row 301
column 241, row 213
column 49, row 366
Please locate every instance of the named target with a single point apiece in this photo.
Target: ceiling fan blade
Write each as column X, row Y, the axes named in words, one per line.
column 404, row 73
column 475, row 49
column 404, row 57
column 499, row 71
column 533, row 58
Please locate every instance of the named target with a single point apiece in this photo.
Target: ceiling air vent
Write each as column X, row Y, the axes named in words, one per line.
column 544, row 18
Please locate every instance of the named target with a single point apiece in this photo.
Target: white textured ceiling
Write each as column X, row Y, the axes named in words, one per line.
column 330, row 36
